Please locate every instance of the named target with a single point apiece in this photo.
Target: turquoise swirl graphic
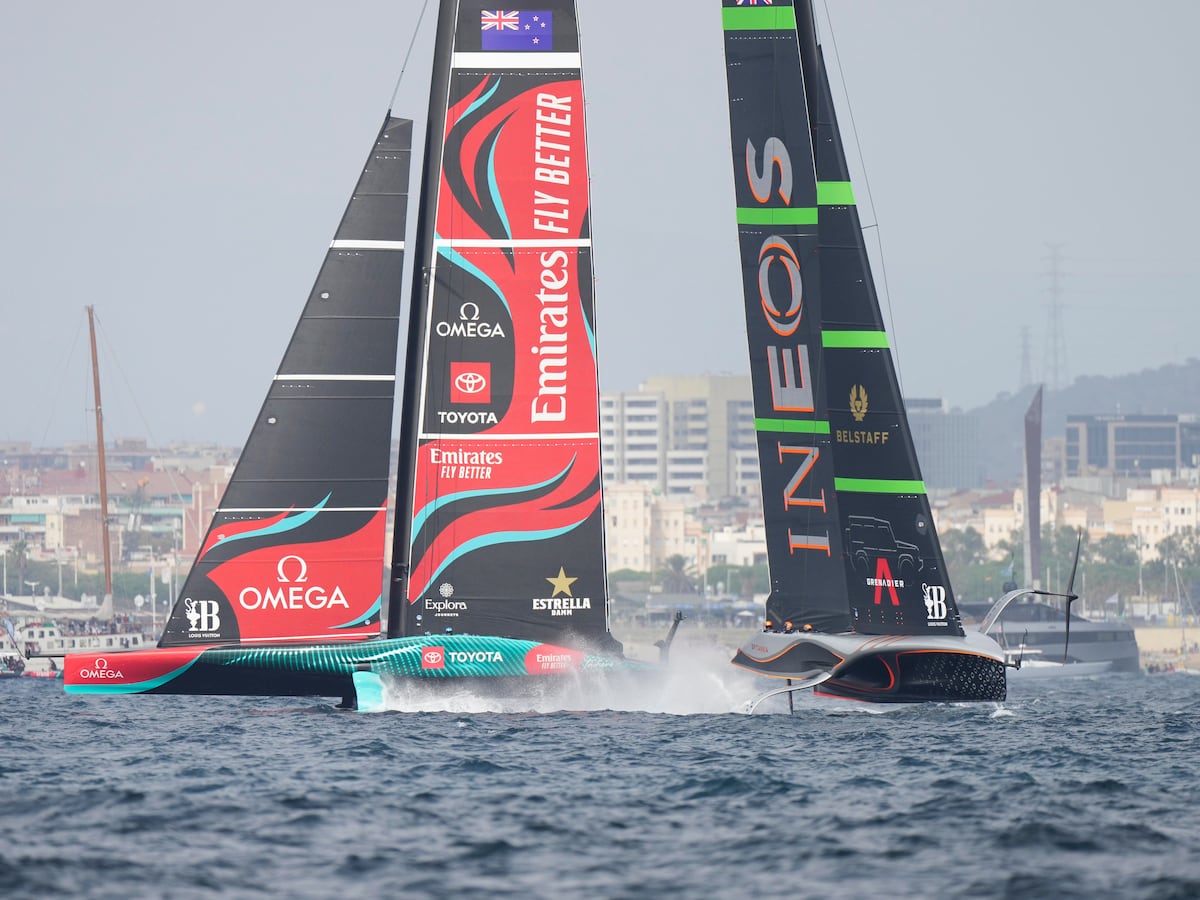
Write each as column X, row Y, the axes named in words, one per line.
column 286, row 524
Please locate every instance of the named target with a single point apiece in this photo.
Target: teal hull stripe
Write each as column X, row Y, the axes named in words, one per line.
column 855, row 339
column 878, row 486
column 800, row 215
column 395, row 657
column 792, row 426
column 759, row 19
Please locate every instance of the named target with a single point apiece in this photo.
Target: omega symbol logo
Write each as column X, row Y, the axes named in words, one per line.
column 301, row 571
column 468, row 312
column 100, row 663
column 858, row 402
column 470, row 383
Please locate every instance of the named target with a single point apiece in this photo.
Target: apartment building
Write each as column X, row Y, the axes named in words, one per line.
column 687, row 436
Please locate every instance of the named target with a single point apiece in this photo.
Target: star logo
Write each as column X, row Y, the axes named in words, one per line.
column 561, row 584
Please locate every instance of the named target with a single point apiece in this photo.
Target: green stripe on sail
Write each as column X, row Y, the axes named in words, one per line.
column 878, row 486
column 795, row 426
column 758, row 19
column 854, row 339
column 800, row 215
column 835, row 193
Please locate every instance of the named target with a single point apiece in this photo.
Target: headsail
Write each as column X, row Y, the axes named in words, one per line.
column 502, row 475
column 296, row 549
column 851, row 542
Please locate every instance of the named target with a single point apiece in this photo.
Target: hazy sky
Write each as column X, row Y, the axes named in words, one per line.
column 183, row 165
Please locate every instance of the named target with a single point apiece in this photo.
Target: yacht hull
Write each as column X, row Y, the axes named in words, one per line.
column 327, row 669
column 883, row 668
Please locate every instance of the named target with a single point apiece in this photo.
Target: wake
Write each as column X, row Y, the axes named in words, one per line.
column 698, row 680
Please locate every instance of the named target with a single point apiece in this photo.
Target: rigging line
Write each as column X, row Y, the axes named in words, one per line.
column 153, row 439
column 870, row 200
column 64, row 370
column 412, row 43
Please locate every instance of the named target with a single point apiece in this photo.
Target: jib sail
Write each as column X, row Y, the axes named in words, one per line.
column 296, row 549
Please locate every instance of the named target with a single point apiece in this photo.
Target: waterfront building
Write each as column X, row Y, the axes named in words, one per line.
column 686, row 436
column 947, row 444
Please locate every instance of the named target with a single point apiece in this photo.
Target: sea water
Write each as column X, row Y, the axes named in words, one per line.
column 1071, row 788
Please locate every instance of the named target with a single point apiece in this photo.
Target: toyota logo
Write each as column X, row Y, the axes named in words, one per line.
column 470, row 382
column 432, row 656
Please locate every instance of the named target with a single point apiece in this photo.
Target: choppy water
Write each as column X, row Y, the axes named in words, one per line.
column 1081, row 788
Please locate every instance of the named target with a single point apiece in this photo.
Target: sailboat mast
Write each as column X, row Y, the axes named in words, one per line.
column 422, row 284
column 100, row 457
column 806, row 36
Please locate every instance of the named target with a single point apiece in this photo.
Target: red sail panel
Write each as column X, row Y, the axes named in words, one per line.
column 326, row 590
column 507, row 531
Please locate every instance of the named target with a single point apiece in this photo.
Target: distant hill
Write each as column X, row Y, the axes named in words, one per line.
column 1169, row 389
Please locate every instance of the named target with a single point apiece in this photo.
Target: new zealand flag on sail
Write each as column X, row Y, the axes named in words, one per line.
column 516, row 30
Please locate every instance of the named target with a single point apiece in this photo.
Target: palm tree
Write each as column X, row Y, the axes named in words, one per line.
column 677, row 580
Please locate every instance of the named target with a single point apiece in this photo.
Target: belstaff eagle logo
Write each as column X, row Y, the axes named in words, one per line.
column 858, row 402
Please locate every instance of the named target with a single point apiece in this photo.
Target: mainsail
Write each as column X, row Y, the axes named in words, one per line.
column 851, row 542
column 296, row 548
column 499, row 482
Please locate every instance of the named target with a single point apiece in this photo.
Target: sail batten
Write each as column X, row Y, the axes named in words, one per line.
column 864, row 339
column 803, row 215
column 366, row 245
column 549, row 61
column 511, row 243
column 751, row 18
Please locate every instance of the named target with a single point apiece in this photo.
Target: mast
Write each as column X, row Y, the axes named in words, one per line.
column 431, row 169
column 101, row 465
column 1033, row 490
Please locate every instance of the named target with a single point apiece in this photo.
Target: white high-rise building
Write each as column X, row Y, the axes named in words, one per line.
column 685, row 436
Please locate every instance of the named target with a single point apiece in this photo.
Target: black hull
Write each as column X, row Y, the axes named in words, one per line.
column 922, row 678
column 882, row 669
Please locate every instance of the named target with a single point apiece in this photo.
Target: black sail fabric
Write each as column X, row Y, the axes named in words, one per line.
column 851, row 542
column 296, row 547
